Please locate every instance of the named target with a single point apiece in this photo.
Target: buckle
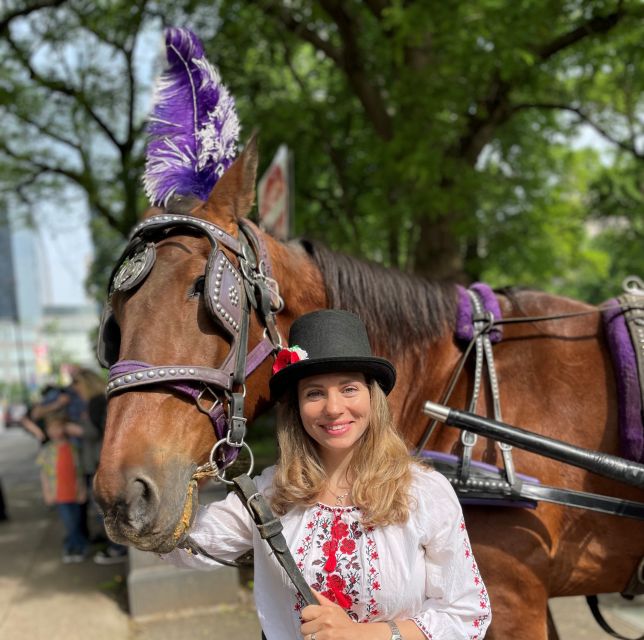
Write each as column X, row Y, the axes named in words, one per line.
column 216, row 402
column 468, row 439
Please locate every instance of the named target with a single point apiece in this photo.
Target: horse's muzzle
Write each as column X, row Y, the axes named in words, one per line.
column 137, row 516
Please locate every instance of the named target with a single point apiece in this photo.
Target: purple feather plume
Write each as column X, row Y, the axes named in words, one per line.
column 193, row 127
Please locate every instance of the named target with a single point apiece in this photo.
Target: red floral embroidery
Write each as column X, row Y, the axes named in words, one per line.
column 335, row 582
column 339, row 529
column 327, row 548
column 484, row 603
column 343, row 600
column 339, row 575
column 348, row 546
column 331, row 561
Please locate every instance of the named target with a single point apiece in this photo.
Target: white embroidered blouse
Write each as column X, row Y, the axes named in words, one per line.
column 422, row 570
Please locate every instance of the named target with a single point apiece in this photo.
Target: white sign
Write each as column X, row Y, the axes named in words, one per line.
column 274, row 195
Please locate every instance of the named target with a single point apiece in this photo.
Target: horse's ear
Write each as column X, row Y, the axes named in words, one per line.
column 234, row 193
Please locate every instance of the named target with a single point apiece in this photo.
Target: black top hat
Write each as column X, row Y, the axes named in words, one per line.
column 328, row 341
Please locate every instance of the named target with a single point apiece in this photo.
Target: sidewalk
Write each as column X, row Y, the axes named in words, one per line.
column 43, row 599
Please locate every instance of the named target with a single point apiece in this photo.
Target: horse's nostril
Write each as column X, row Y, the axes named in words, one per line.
column 138, row 489
column 142, row 502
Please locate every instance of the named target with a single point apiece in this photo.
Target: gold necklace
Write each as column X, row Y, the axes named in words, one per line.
column 339, row 498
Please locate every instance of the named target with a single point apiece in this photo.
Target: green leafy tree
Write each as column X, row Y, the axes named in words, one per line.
column 436, row 137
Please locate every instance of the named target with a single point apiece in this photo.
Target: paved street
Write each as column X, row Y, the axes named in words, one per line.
column 42, row 599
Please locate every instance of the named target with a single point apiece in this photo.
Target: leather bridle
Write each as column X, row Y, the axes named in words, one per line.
column 231, row 292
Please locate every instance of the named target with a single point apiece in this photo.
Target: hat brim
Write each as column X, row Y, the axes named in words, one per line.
column 379, row 368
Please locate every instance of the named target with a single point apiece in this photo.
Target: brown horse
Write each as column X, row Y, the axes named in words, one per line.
column 555, row 378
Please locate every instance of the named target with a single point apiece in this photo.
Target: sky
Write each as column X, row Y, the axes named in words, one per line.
column 65, row 259
column 65, row 252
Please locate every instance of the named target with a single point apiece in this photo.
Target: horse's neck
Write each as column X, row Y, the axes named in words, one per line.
column 300, row 282
column 423, row 368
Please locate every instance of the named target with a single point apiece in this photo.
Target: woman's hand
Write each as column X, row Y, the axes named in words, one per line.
column 329, row 621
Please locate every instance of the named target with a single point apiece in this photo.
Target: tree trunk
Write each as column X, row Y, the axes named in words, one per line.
column 438, row 253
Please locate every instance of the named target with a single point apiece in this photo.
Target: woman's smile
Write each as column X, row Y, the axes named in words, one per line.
column 337, row 429
column 335, row 410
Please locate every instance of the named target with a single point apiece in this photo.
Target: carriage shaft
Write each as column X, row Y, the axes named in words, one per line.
column 603, row 464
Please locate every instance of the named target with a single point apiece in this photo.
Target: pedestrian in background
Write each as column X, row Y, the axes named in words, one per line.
column 63, row 484
column 4, row 516
column 90, row 387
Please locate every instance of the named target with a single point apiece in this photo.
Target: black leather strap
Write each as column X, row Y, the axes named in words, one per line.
column 593, row 603
column 270, row 528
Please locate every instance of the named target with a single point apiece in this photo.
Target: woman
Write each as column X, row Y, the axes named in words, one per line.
column 380, row 538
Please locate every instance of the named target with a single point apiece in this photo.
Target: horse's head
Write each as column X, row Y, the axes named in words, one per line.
column 191, row 298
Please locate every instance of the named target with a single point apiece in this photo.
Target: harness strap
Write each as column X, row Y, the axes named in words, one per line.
column 593, row 603
column 456, row 374
column 483, row 323
column 635, row 586
column 582, row 500
column 270, row 529
column 469, row 439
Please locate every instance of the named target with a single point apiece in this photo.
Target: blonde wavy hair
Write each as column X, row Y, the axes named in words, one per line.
column 380, row 466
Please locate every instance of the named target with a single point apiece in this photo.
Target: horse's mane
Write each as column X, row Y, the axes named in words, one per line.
column 401, row 311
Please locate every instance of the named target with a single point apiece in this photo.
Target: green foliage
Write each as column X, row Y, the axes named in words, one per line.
column 443, row 138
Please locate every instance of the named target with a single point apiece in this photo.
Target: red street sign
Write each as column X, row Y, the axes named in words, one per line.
column 274, row 196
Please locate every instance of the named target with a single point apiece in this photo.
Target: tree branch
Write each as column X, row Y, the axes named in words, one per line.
column 376, row 7
column 25, row 11
column 60, row 87
column 352, row 63
column 583, row 117
column 298, row 28
column 496, row 108
column 594, row 26
column 73, row 176
column 493, row 111
column 348, row 59
column 47, row 131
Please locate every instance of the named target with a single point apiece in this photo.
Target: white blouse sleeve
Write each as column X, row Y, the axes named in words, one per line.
column 456, row 601
column 223, row 528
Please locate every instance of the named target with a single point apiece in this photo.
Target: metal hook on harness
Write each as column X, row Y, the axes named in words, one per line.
column 220, row 474
column 279, row 343
column 199, row 399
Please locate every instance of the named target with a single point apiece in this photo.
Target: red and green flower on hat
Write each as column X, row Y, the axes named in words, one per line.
column 286, row 357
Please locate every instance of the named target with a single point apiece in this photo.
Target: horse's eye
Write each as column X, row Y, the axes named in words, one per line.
column 197, row 287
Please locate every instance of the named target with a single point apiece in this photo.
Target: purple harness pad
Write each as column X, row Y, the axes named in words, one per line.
column 631, row 427
column 465, row 312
